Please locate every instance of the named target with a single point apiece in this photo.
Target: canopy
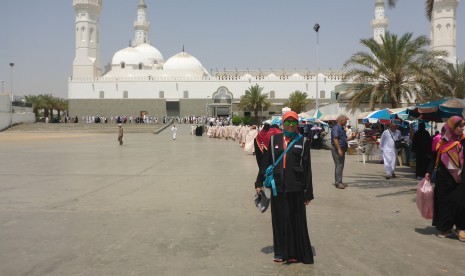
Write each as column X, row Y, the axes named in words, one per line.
column 438, row 111
column 382, row 116
column 329, row 117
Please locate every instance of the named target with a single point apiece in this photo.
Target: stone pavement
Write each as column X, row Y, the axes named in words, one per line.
column 76, row 203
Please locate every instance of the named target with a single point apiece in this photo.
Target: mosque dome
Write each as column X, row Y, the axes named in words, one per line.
column 149, row 53
column 183, row 62
column 128, row 56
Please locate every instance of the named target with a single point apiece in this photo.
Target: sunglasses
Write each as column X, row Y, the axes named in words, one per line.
column 290, row 123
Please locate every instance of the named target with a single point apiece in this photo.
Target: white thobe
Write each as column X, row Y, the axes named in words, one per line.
column 389, row 150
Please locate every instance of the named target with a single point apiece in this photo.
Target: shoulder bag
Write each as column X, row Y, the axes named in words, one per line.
column 269, row 179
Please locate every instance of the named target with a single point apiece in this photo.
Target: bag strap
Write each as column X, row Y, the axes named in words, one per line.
column 296, row 138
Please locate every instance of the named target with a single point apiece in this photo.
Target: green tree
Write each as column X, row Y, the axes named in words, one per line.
column 254, row 100
column 397, row 69
column 454, row 81
column 298, row 101
column 37, row 103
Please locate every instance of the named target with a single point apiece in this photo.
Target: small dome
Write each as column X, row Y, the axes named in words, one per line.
column 247, row 77
column 183, row 62
column 128, row 55
column 296, row 76
column 150, row 54
column 271, row 77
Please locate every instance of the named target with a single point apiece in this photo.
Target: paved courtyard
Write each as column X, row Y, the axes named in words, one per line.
column 73, row 202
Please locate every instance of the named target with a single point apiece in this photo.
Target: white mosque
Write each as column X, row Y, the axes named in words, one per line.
column 139, row 80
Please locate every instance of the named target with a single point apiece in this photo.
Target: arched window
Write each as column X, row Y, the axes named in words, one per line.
column 272, row 94
column 123, row 65
column 322, row 94
column 161, row 94
column 186, row 94
column 141, row 65
column 125, row 94
column 102, row 95
column 83, row 30
column 91, row 34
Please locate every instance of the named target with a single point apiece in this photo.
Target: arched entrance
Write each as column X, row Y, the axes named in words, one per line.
column 222, row 102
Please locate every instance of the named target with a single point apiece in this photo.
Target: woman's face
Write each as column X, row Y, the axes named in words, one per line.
column 459, row 130
column 290, row 125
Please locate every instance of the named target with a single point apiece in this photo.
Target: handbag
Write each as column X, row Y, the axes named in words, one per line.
column 261, row 201
column 425, row 198
column 397, row 143
column 269, row 179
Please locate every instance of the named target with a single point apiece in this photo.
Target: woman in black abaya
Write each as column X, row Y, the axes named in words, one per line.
column 293, row 178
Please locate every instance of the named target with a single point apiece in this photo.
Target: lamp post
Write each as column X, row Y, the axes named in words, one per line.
column 317, row 28
column 206, row 108
column 3, row 82
column 11, row 91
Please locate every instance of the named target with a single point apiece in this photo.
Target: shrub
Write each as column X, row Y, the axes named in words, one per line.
column 236, row 120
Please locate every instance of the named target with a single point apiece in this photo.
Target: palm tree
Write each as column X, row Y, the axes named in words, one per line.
column 61, row 105
column 454, row 81
column 298, row 101
column 48, row 105
column 398, row 69
column 254, row 100
column 37, row 103
column 428, row 7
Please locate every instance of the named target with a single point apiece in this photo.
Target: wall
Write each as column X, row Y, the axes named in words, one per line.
column 19, row 115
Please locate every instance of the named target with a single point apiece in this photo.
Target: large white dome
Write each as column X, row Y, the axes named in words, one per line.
column 183, row 62
column 150, row 54
column 129, row 56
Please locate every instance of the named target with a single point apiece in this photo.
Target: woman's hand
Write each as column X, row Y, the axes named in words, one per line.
column 427, row 177
column 306, row 202
column 258, row 190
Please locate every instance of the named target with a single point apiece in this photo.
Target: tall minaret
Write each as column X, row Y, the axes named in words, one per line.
column 87, row 61
column 443, row 28
column 380, row 22
column 141, row 25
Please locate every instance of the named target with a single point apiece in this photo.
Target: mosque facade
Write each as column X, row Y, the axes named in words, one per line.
column 138, row 79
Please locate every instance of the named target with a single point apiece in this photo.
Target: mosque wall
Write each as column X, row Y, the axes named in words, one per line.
column 116, row 107
column 192, row 89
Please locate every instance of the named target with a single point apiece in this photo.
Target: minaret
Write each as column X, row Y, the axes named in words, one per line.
column 87, row 61
column 380, row 22
column 443, row 28
column 141, row 25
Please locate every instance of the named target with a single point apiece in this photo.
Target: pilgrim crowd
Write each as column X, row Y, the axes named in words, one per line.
column 440, row 155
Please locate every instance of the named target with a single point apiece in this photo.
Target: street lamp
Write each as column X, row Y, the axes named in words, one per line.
column 11, row 91
column 206, row 108
column 317, row 28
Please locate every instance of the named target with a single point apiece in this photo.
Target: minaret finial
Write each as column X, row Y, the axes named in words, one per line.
column 183, row 48
column 380, row 22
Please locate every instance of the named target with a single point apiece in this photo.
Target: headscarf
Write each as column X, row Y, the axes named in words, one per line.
column 261, row 137
column 273, row 130
column 450, row 149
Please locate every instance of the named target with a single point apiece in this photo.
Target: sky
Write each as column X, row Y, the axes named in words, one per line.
column 38, row 36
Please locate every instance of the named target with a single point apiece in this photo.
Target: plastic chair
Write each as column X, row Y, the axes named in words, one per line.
column 364, row 151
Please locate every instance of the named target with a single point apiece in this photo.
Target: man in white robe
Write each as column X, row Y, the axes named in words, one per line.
column 389, row 150
column 249, row 140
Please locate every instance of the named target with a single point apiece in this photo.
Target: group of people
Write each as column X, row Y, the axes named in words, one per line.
column 441, row 155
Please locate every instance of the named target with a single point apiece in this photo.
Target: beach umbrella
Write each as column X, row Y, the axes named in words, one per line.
column 438, row 111
column 317, row 114
column 382, row 116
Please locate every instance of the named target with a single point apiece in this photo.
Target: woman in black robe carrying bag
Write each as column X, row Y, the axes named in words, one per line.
column 294, row 191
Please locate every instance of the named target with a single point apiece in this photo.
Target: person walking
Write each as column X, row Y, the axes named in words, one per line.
column 449, row 191
column 421, row 146
column 294, row 190
column 339, row 149
column 389, row 150
column 120, row 134
column 174, row 129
